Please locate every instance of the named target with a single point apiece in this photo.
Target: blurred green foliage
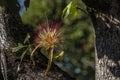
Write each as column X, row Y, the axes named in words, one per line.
column 78, row 60
column 70, row 9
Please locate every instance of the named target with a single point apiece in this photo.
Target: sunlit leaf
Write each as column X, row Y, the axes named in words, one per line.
column 70, row 9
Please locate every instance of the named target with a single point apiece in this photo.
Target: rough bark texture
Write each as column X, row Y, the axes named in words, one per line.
column 12, row 31
column 105, row 15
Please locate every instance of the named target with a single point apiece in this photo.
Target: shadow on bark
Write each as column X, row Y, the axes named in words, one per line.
column 106, row 20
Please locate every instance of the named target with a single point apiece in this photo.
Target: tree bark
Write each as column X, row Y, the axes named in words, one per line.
column 105, row 15
column 12, row 31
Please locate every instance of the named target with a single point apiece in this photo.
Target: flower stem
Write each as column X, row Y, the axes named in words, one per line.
column 50, row 61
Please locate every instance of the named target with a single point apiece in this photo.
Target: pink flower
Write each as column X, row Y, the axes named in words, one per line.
column 48, row 36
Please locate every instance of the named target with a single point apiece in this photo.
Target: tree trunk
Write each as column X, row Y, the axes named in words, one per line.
column 12, row 31
column 105, row 15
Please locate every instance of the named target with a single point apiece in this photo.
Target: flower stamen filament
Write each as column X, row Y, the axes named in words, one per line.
column 31, row 55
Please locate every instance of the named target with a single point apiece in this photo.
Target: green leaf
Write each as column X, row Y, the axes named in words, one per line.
column 20, row 46
column 23, row 54
column 70, row 9
column 27, row 38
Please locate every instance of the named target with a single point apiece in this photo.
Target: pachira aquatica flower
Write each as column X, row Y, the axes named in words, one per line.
column 49, row 36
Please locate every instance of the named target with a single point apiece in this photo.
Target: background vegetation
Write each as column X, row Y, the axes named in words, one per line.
column 78, row 60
